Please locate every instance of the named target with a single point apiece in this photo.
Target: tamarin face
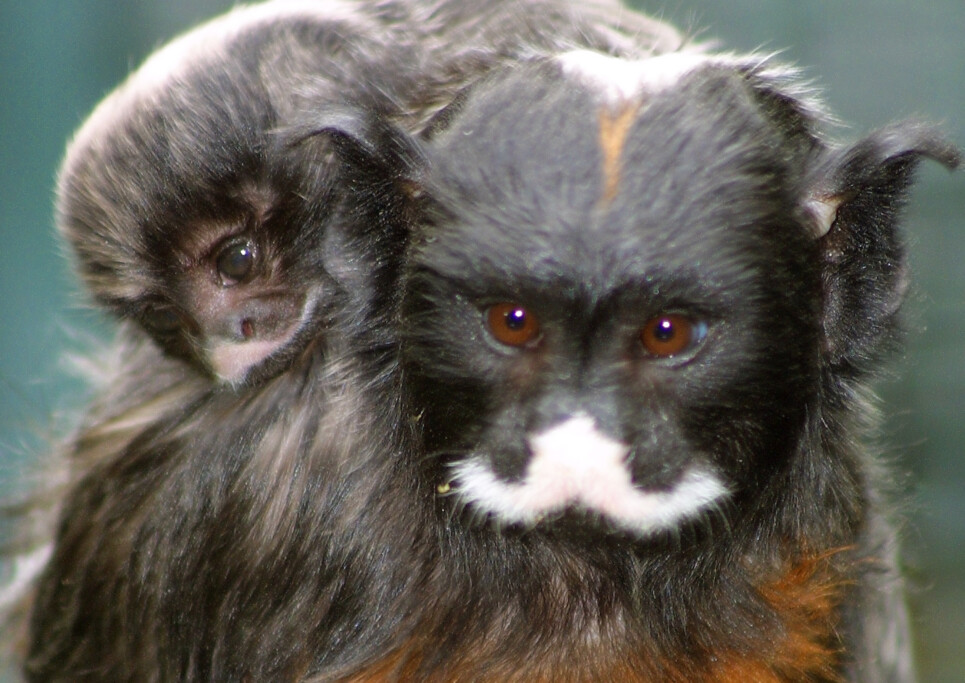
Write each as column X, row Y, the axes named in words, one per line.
column 233, row 286
column 186, row 210
column 615, row 303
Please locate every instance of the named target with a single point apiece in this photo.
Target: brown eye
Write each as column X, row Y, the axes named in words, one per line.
column 513, row 325
column 236, row 262
column 162, row 319
column 671, row 334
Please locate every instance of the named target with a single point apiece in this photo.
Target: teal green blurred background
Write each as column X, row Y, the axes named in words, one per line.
column 876, row 60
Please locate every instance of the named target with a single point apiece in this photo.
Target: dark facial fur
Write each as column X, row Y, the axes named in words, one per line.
column 241, row 535
column 738, row 266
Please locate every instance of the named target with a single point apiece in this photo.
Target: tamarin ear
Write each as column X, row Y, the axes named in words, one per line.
column 853, row 206
column 373, row 150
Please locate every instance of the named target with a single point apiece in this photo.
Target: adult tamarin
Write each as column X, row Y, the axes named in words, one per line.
column 643, row 302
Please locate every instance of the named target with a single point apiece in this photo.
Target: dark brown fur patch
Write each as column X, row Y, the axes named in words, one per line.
column 805, row 598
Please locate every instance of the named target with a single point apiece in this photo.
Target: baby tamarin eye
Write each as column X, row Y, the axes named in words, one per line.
column 236, row 261
column 671, row 334
column 512, row 325
column 162, row 319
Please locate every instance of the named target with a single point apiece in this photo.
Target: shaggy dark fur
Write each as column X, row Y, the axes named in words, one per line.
column 187, row 498
column 324, row 518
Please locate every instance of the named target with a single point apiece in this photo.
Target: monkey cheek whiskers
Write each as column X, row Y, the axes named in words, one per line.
column 574, row 465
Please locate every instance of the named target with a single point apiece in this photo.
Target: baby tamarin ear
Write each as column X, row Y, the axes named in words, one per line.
column 367, row 143
column 856, row 197
column 378, row 162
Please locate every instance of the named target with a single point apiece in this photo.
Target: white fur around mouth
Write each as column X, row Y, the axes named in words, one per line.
column 574, row 465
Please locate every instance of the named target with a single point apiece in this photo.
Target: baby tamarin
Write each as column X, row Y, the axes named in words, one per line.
column 184, row 209
column 187, row 546
column 642, row 307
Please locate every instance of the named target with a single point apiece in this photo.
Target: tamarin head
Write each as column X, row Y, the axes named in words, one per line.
column 635, row 283
column 187, row 210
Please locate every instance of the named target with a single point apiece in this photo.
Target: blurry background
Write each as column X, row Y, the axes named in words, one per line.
column 876, row 61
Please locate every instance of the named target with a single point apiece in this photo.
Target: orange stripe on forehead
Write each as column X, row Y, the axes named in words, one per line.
column 614, row 128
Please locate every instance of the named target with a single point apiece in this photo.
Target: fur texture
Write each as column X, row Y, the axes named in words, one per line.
column 188, row 502
column 693, row 274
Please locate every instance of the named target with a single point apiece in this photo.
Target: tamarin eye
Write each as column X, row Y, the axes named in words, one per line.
column 670, row 334
column 162, row 319
column 513, row 325
column 235, row 262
